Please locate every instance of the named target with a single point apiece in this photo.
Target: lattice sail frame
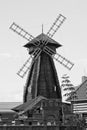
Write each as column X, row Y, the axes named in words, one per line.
column 27, row 65
column 62, row 60
column 20, row 31
column 56, row 25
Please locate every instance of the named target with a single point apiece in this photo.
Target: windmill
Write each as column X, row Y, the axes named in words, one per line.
column 42, row 78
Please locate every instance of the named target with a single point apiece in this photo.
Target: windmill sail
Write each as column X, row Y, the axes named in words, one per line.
column 27, row 65
column 62, row 60
column 20, row 31
column 56, row 25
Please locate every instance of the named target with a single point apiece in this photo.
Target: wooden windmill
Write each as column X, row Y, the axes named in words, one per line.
column 42, row 79
column 42, row 76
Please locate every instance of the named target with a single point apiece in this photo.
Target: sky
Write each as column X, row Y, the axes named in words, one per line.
column 30, row 15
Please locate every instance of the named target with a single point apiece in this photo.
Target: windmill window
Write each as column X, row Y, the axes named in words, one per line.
column 38, row 110
column 54, row 88
column 29, row 89
column 30, row 123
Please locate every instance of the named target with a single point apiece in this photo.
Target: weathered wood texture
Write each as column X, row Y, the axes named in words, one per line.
column 40, row 128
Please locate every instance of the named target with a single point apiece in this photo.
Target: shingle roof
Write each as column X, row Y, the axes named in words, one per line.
column 44, row 38
column 77, row 88
column 28, row 105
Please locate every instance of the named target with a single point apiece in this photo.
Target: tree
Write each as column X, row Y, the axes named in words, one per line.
column 67, row 87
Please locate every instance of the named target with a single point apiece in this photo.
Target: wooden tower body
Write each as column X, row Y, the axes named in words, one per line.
column 42, row 94
column 42, row 79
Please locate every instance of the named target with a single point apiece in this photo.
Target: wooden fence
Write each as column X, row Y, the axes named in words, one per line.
column 41, row 128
